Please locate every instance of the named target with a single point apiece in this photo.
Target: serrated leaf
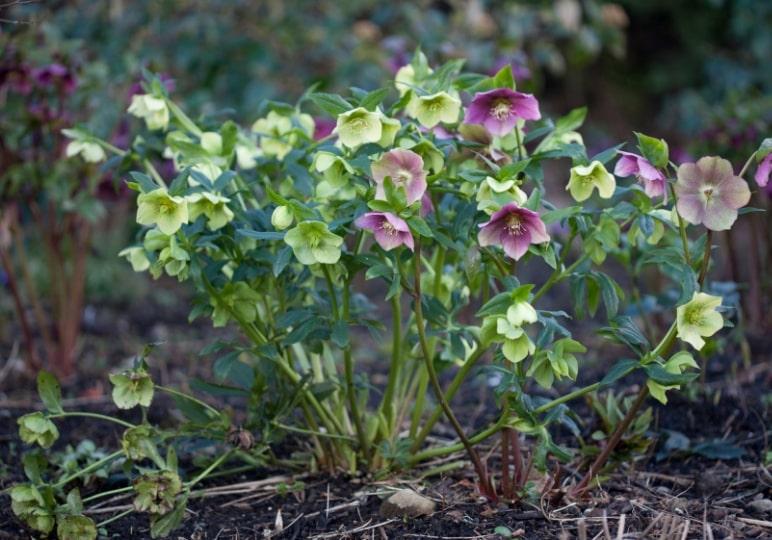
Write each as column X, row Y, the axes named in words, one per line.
column 332, row 104
column 617, row 371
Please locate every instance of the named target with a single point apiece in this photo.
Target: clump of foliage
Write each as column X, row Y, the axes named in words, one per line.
column 436, row 204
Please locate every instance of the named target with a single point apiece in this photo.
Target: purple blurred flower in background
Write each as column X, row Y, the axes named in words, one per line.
column 513, row 228
column 519, row 64
column 500, row 109
column 630, row 164
column 763, row 171
column 389, row 230
column 18, row 78
column 55, row 75
column 167, row 80
column 405, row 168
column 709, row 193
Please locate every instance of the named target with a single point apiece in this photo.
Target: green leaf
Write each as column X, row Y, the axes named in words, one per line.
column 339, row 335
column 718, row 449
column 572, row 121
column 164, row 525
column 374, row 98
column 146, row 183
column 658, row 374
column 655, row 150
column 283, row 258
column 420, row 226
column 50, row 392
column 261, row 235
column 332, row 104
column 504, row 78
column 617, row 371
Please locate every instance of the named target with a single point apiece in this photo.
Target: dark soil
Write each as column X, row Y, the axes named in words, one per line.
column 711, row 483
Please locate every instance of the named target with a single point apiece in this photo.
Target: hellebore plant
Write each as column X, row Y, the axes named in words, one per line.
column 445, row 225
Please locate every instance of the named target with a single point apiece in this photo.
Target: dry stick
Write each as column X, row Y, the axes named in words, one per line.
column 485, row 483
column 33, row 360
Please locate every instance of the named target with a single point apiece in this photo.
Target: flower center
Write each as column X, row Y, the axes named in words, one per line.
column 165, row 208
column 514, row 224
column 359, row 124
column 708, row 193
column 501, row 109
column 389, row 228
column 314, row 240
column 402, row 177
column 694, row 317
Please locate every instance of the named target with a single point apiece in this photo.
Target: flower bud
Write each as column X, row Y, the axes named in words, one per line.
column 281, row 218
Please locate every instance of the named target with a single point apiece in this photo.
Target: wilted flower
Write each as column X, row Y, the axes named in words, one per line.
column 699, row 318
column 709, row 193
column 137, row 443
column 89, row 151
column 281, row 218
column 675, row 366
column 29, row 505
column 435, row 108
column 359, row 126
column 763, row 171
column 633, row 164
column 132, row 388
column 214, row 207
column 137, row 257
column 585, row 178
column 405, row 168
column 514, row 228
column 75, row 528
column 493, row 194
column 35, row 428
column 500, row 109
column 156, row 492
column 312, row 242
column 157, row 207
column 389, row 230
column 153, row 110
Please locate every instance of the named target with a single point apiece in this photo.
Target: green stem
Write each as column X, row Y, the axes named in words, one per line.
column 93, row 415
column 189, row 398
column 747, row 164
column 203, row 474
column 183, row 118
column 93, row 467
column 571, row 396
column 312, row 432
column 556, row 276
column 388, row 405
column 331, row 291
column 116, row 517
column 104, row 494
column 682, row 230
column 440, row 451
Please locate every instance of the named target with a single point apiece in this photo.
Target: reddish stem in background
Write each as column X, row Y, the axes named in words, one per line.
column 506, row 484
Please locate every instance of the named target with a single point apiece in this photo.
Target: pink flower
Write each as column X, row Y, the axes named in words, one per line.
column 514, row 228
column 500, row 109
column 763, row 171
column 323, row 127
column 405, row 168
column 709, row 193
column 389, row 230
column 633, row 164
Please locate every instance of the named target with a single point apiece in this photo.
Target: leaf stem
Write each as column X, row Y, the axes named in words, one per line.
column 93, row 415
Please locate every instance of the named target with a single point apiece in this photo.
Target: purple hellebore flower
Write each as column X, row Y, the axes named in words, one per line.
column 763, row 171
column 405, row 168
column 54, row 74
column 633, row 164
column 709, row 193
column 514, row 228
column 500, row 109
column 323, row 127
column 389, row 230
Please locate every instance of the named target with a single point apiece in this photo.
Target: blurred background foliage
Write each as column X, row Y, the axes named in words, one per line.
column 697, row 72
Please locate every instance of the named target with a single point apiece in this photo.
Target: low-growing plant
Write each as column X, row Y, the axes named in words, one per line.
column 445, row 213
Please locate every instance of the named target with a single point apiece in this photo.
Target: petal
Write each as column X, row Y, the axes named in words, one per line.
column 689, row 177
column 648, row 171
column 627, row 165
column 715, row 169
column 515, row 246
column 416, row 188
column 526, row 106
column 690, row 335
column 606, row 184
column 734, row 192
column 490, row 234
column 719, row 217
column 407, row 239
column 579, row 190
column 326, row 253
column 387, row 241
column 304, row 255
column 500, row 127
column 397, row 222
column 691, row 207
column 763, row 171
column 370, row 221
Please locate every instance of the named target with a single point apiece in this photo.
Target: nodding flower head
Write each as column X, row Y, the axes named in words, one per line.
column 500, row 109
column 389, row 230
column 405, row 168
column 513, row 228
column 630, row 164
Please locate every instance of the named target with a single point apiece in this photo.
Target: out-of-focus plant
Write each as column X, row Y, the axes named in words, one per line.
column 439, row 198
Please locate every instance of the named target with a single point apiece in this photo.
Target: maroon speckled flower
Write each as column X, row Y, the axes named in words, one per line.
column 633, row 164
column 389, row 230
column 500, row 109
column 709, row 193
column 513, row 228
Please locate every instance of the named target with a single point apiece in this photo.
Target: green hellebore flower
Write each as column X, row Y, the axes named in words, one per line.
column 137, row 444
column 389, row 129
column 157, row 492
column 159, row 208
column 173, row 259
column 585, row 178
column 31, row 507
column 214, row 207
column 153, row 110
column 493, row 194
column 698, row 318
column 434, row 159
column 276, row 132
column 435, row 108
column 207, row 168
column 359, row 126
column 75, row 528
column 676, row 365
column 247, row 153
column 334, row 168
column 517, row 344
column 137, row 257
column 520, row 313
column 36, row 428
column 132, row 388
column 235, row 298
column 155, row 240
column 282, row 217
column 91, row 152
column 211, row 141
column 312, row 242
column 558, row 363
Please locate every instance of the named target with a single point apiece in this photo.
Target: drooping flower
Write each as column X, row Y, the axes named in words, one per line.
column 389, row 230
column 75, row 528
column 763, row 171
column 389, row 129
column 91, row 152
column 517, row 344
column 237, row 299
column 499, row 110
column 633, row 164
column 585, row 178
column 405, row 168
column 521, row 312
column 214, row 207
column 335, row 169
column 277, row 133
column 132, row 388
column 433, row 158
column 312, row 242
column 35, row 428
column 514, row 228
column 435, row 108
column 29, row 505
column 137, row 257
column 709, row 193
column 153, row 110
column 359, row 126
column 157, row 207
column 698, row 318
column 493, row 194
column 247, row 153
column 211, row 141
column 675, row 366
